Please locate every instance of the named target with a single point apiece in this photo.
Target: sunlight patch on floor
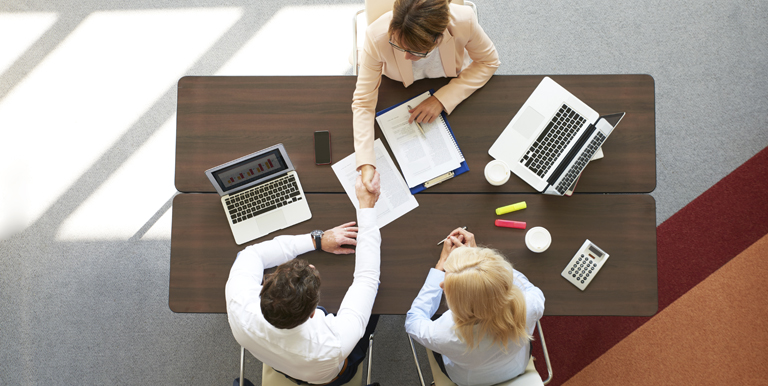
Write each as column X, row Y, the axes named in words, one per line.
column 19, row 32
column 131, row 195
column 70, row 110
column 161, row 230
column 299, row 40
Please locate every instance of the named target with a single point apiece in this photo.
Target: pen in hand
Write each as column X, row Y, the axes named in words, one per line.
column 418, row 125
column 447, row 238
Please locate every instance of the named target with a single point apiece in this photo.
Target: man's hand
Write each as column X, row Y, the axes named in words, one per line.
column 367, row 199
column 367, row 171
column 426, row 111
column 458, row 238
column 335, row 238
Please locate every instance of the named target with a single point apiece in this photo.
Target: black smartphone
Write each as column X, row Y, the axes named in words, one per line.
column 322, row 148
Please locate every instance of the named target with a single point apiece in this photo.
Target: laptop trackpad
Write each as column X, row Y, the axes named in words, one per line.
column 528, row 123
column 272, row 221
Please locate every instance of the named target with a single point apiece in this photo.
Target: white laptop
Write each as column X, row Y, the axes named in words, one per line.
column 552, row 138
column 261, row 193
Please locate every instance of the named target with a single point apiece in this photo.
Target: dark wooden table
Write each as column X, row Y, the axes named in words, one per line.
column 203, row 250
column 222, row 118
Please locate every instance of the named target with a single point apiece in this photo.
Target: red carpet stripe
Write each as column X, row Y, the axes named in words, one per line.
column 691, row 245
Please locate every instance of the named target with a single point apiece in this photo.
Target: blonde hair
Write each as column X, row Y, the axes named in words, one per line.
column 480, row 292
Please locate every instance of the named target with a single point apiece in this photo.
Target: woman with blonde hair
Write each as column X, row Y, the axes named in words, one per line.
column 484, row 337
column 419, row 39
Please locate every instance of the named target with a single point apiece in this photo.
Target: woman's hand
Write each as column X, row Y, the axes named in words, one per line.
column 372, row 185
column 458, row 238
column 426, row 111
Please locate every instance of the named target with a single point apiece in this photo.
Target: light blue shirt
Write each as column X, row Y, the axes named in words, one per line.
column 487, row 364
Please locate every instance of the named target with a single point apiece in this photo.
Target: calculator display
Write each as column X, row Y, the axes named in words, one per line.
column 595, row 251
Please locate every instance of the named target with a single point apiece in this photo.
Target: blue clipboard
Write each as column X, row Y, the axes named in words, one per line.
column 463, row 168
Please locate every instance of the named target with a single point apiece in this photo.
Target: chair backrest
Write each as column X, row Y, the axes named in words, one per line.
column 375, row 8
column 272, row 378
column 529, row 378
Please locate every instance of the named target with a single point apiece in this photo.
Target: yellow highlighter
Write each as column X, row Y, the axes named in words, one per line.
column 511, row 208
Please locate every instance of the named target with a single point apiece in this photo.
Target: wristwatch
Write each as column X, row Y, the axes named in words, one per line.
column 318, row 236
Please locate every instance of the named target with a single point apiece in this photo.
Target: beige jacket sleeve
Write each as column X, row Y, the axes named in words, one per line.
column 463, row 37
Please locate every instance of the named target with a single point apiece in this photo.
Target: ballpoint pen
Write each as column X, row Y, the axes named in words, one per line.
column 447, row 238
column 417, row 123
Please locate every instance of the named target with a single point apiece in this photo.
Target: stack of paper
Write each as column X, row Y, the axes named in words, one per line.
column 395, row 199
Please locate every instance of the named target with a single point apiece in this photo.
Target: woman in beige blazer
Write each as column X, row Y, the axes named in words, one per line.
column 416, row 29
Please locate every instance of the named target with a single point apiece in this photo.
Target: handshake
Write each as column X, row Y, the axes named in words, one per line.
column 368, row 192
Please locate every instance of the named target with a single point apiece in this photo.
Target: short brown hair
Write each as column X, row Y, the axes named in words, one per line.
column 416, row 24
column 290, row 294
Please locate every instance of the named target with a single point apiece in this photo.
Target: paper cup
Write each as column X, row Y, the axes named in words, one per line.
column 497, row 172
column 538, row 239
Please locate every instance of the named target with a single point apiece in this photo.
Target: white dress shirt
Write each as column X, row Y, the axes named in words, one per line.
column 429, row 66
column 314, row 351
column 487, row 364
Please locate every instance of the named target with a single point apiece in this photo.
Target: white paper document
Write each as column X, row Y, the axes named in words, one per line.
column 395, row 199
column 421, row 157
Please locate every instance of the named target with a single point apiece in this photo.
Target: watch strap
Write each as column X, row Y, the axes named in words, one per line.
column 318, row 235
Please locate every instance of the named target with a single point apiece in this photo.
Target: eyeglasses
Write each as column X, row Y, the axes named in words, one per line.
column 414, row 53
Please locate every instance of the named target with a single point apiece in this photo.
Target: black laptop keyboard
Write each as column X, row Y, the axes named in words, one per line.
column 553, row 141
column 575, row 170
column 263, row 198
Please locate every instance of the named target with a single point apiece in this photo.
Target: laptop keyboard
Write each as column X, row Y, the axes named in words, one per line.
column 553, row 140
column 263, row 198
column 581, row 163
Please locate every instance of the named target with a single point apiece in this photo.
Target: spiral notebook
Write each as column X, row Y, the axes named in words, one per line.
column 425, row 159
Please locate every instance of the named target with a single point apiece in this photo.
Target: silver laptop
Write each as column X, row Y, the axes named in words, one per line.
column 551, row 139
column 261, row 193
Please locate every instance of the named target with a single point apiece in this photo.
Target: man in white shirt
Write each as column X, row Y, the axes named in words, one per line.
column 278, row 322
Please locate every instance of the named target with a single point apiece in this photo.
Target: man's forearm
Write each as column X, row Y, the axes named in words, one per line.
column 367, row 263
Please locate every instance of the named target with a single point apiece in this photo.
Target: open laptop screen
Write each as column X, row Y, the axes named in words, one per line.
column 250, row 170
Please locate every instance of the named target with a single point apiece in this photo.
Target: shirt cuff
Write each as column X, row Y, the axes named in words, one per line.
column 364, row 160
column 367, row 218
column 435, row 277
column 305, row 243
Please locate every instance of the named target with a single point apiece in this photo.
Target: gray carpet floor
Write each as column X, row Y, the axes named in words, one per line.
column 87, row 99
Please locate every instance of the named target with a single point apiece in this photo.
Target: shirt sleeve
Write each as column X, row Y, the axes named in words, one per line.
column 248, row 270
column 355, row 310
column 418, row 321
column 534, row 300
column 364, row 101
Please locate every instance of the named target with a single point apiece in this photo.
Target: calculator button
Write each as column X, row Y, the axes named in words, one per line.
column 582, row 282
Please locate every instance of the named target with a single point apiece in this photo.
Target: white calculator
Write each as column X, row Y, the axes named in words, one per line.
column 584, row 265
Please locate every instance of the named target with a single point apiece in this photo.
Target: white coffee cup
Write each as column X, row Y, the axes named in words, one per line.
column 497, row 172
column 538, row 239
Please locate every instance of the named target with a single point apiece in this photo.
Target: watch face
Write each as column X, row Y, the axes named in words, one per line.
column 318, row 236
